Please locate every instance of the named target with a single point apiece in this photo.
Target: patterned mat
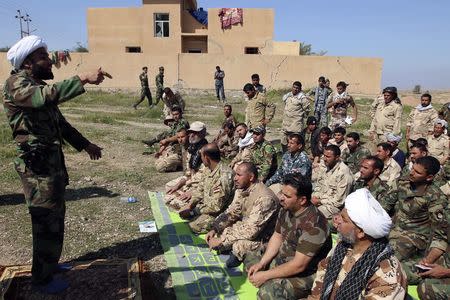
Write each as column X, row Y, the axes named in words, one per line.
column 196, row 272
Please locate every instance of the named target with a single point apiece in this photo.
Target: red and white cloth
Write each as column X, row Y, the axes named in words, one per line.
column 231, row 16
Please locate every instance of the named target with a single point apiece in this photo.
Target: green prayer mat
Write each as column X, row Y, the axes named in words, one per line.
column 197, row 273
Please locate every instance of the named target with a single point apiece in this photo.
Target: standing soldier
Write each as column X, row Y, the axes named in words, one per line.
column 40, row 130
column 296, row 110
column 159, row 82
column 258, row 86
column 339, row 104
column 219, row 75
column 145, row 90
column 321, row 94
column 259, row 111
column 387, row 117
column 421, row 120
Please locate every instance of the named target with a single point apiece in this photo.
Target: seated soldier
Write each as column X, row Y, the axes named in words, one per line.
column 286, row 269
column 416, row 151
column 310, row 135
column 438, row 142
column 263, row 153
column 168, row 137
column 212, row 195
column 172, row 99
column 248, row 222
column 229, row 118
column 227, row 141
column 317, row 149
column 244, row 144
column 294, row 160
column 397, row 154
column 362, row 265
column 334, row 183
column 339, row 138
column 391, row 171
column 355, row 153
column 420, row 222
column 369, row 172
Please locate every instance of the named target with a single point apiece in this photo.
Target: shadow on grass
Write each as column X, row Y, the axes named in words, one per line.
column 71, row 195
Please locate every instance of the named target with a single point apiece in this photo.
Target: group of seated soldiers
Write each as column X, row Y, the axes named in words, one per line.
column 390, row 212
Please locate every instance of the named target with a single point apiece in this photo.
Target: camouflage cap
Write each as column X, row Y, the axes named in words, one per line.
column 260, row 130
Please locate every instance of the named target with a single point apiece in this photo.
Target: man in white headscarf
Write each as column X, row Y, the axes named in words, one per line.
column 40, row 130
column 362, row 265
column 397, row 154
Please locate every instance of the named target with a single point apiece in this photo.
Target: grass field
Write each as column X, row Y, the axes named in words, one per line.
column 97, row 224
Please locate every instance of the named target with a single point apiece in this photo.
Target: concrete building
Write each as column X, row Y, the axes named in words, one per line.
column 165, row 33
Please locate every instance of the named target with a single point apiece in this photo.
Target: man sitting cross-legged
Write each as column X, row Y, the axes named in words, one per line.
column 301, row 239
column 362, row 265
column 248, row 222
column 212, row 194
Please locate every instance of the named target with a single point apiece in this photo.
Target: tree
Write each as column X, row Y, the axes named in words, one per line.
column 80, row 48
column 5, row 49
column 306, row 49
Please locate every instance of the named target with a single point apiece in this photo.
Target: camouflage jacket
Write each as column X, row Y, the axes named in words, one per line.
column 264, row 156
column 353, row 159
column 444, row 113
column 385, row 194
column 144, row 80
column 38, row 126
column 176, row 100
column 420, row 216
column 159, row 82
column 258, row 109
column 438, row 147
column 387, row 118
column 421, row 122
column 388, row 283
column 321, row 96
column 391, row 171
column 182, row 123
column 305, row 231
column 228, row 145
column 214, row 192
column 251, row 216
column 244, row 154
column 296, row 110
column 297, row 163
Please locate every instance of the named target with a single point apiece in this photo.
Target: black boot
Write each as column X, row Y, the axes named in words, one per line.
column 233, row 261
column 150, row 142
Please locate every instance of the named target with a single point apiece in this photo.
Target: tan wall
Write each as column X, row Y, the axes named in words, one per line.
column 195, row 42
column 195, row 71
column 256, row 31
column 286, row 48
column 191, row 25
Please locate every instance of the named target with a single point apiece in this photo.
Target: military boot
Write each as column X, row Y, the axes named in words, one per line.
column 150, row 142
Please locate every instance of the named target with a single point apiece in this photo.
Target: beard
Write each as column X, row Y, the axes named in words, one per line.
column 194, row 139
column 41, row 73
column 349, row 238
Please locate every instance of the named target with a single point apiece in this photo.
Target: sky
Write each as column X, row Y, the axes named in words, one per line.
column 411, row 36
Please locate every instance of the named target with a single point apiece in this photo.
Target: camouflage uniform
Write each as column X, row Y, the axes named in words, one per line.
column 211, row 197
column 218, row 82
column 169, row 103
column 380, row 190
column 420, row 221
column 230, row 119
column 264, row 157
column 391, row 171
column 332, row 187
column 193, row 179
column 244, row 155
column 145, row 90
column 342, row 145
column 387, row 119
column 305, row 232
column 444, row 113
column 339, row 111
column 170, row 159
column 387, row 283
column 421, row 122
column 320, row 104
column 353, row 159
column 296, row 110
column 258, row 109
column 438, row 147
column 249, row 220
column 39, row 129
column 159, row 83
column 291, row 163
column 228, row 146
column 174, row 127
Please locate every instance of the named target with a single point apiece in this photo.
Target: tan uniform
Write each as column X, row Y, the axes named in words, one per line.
column 421, row 122
column 211, row 196
column 296, row 110
column 258, row 109
column 332, row 187
column 438, row 147
column 192, row 181
column 170, row 159
column 342, row 145
column 249, row 221
column 391, row 171
column 387, row 119
column 244, row 155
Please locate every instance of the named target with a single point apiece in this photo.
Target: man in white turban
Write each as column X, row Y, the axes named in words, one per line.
column 39, row 129
column 362, row 265
column 397, row 154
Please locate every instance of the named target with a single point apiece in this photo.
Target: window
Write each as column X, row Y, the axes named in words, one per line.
column 194, row 51
column 161, row 25
column 133, row 49
column 251, row 50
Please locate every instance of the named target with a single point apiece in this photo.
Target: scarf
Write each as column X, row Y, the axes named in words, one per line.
column 356, row 280
column 246, row 141
column 194, row 150
column 421, row 108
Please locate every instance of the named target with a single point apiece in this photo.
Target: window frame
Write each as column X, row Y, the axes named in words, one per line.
column 164, row 24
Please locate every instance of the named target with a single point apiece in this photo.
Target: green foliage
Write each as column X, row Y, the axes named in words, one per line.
column 306, row 49
column 80, row 48
column 99, row 118
column 5, row 49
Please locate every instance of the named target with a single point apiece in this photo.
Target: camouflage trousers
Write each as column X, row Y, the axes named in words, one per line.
column 169, row 161
column 321, row 117
column 158, row 97
column 241, row 248
column 434, row 289
column 407, row 246
column 173, row 200
column 337, row 122
column 280, row 288
column 201, row 224
column 145, row 92
column 45, row 199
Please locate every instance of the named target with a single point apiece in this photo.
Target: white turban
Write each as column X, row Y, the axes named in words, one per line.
column 393, row 138
column 17, row 54
column 441, row 122
column 366, row 212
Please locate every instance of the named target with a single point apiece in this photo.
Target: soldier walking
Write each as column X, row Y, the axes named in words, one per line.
column 145, row 89
column 159, row 83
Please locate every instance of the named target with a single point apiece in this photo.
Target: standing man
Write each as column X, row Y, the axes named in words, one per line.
column 353, row 155
column 40, row 130
column 259, row 111
column 258, row 86
column 296, row 110
column 321, row 94
column 219, row 75
column 387, row 117
column 145, row 90
column 421, row 120
column 159, row 82
column 339, row 104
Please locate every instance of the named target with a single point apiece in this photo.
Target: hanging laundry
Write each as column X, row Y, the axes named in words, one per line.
column 55, row 58
column 231, row 16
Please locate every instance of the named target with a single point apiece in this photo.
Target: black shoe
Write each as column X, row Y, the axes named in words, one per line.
column 233, row 261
